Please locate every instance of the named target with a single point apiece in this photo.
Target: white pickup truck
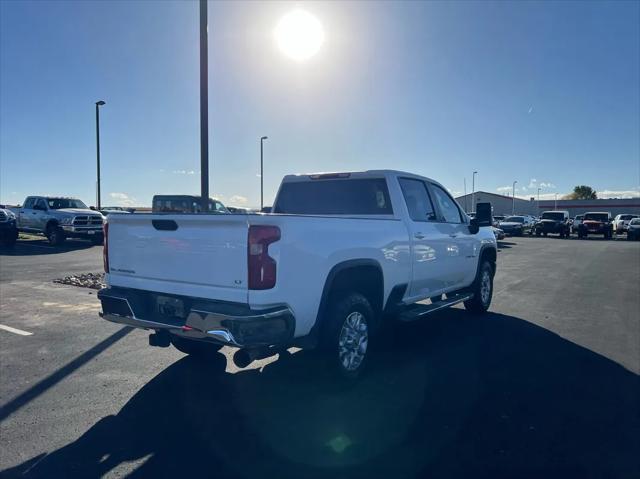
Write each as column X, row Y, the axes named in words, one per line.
column 340, row 254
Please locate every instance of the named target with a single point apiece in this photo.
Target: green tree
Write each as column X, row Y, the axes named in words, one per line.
column 583, row 192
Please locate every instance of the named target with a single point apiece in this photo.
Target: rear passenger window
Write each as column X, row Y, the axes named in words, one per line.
column 357, row 196
column 417, row 198
column 448, row 208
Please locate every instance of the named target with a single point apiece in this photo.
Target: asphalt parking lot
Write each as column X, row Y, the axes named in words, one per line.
column 546, row 385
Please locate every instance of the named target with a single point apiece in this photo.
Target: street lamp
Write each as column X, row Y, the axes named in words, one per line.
column 98, row 105
column 555, row 205
column 473, row 191
column 262, row 171
column 513, row 207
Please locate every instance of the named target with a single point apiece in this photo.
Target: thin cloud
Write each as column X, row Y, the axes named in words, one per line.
column 122, row 199
column 183, row 172
column 238, row 200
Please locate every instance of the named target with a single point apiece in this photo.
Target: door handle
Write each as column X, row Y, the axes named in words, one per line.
column 453, row 235
column 418, row 236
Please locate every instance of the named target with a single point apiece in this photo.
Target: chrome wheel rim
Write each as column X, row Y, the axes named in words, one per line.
column 353, row 341
column 485, row 287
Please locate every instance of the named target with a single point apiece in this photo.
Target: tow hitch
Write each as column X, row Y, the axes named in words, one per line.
column 159, row 339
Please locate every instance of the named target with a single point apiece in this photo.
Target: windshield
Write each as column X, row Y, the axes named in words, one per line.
column 627, row 217
column 596, row 216
column 553, row 216
column 514, row 219
column 63, row 203
column 635, row 221
column 578, row 218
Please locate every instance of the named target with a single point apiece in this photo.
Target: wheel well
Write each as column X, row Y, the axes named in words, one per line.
column 366, row 280
column 488, row 254
column 362, row 276
column 50, row 223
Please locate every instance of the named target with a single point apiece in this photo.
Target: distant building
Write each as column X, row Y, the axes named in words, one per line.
column 501, row 204
column 578, row 207
column 504, row 205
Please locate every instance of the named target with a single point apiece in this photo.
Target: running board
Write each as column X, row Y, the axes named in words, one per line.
column 418, row 310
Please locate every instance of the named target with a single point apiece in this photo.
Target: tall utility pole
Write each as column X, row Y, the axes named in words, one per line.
column 473, row 191
column 98, row 105
column 555, row 204
column 262, row 171
column 204, row 108
column 513, row 207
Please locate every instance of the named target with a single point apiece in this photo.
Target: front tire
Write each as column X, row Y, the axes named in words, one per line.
column 55, row 235
column 346, row 338
column 482, row 289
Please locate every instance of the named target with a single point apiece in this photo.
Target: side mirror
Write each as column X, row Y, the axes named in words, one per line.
column 473, row 226
column 483, row 214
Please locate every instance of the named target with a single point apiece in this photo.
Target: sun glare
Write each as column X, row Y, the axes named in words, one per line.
column 299, row 35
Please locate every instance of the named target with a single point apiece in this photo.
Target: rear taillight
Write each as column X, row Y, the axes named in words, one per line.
column 105, row 248
column 262, row 267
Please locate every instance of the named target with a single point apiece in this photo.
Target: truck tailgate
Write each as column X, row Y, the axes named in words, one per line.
column 197, row 255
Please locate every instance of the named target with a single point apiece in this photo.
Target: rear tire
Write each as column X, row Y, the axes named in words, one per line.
column 55, row 235
column 346, row 338
column 482, row 289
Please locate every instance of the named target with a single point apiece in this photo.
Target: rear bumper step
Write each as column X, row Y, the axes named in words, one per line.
column 223, row 323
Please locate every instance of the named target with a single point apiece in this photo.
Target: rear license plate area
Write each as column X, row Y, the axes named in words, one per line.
column 170, row 307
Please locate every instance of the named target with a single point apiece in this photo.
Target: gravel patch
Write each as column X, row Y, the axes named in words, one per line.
column 87, row 280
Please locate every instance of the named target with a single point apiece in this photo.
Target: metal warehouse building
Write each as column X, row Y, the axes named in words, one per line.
column 504, row 205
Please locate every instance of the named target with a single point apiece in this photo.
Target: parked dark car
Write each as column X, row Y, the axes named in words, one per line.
column 8, row 228
column 554, row 222
column 515, row 225
column 597, row 223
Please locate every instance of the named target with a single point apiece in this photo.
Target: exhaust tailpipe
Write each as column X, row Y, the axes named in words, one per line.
column 243, row 357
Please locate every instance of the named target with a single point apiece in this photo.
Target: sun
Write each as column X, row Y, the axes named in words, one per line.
column 299, row 34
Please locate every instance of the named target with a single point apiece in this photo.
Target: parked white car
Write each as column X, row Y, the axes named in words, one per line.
column 621, row 223
column 575, row 224
column 340, row 254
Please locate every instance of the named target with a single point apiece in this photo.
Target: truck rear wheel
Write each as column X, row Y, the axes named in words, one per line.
column 482, row 289
column 347, row 334
column 55, row 235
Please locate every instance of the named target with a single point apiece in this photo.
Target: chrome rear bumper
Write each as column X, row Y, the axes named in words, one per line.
column 207, row 320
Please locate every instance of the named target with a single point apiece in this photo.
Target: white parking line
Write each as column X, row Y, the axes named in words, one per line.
column 15, row 331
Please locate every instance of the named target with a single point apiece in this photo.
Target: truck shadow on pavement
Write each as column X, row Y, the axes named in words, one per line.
column 453, row 396
column 42, row 247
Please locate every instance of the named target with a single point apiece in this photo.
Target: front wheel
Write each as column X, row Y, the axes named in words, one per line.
column 482, row 289
column 346, row 338
column 55, row 235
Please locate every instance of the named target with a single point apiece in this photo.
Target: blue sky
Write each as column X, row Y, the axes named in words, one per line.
column 543, row 91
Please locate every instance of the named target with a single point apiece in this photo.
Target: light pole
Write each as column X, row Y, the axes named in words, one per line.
column 555, row 204
column 204, row 108
column 473, row 191
column 262, row 171
column 98, row 105
column 513, row 207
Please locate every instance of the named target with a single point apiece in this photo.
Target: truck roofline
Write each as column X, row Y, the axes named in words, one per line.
column 299, row 177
